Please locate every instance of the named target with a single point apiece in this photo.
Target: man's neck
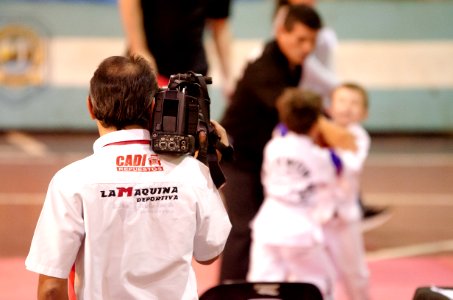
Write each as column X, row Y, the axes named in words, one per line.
column 104, row 130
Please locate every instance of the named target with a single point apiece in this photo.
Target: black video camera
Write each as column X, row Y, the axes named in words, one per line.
column 181, row 111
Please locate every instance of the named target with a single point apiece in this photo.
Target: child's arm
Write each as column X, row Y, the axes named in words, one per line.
column 354, row 161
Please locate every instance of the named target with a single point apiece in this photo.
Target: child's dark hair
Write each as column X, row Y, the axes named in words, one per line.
column 299, row 109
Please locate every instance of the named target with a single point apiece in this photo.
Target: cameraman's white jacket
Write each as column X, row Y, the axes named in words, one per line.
column 131, row 220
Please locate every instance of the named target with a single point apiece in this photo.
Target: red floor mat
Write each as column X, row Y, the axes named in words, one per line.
column 390, row 279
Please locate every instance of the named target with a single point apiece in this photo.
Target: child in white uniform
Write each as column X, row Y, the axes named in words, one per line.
column 288, row 242
column 342, row 231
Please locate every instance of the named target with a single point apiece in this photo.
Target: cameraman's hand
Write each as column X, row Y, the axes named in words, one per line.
column 202, row 153
column 223, row 148
column 221, row 133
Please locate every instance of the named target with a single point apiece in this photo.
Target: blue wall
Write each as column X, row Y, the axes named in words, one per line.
column 57, row 104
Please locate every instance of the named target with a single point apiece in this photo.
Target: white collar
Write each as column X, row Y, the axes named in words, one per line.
column 121, row 136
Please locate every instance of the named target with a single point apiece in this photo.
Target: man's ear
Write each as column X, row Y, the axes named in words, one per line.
column 328, row 109
column 90, row 108
column 279, row 31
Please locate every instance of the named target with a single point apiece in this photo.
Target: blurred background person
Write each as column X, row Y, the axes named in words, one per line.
column 169, row 33
column 287, row 240
column 250, row 119
column 319, row 76
column 342, row 214
column 319, row 68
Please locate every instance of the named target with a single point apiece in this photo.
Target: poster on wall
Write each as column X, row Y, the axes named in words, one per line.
column 23, row 59
column 48, row 50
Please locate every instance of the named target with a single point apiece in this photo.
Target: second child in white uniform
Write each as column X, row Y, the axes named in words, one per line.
column 288, row 243
column 342, row 231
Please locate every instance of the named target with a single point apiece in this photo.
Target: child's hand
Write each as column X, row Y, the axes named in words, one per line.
column 336, row 136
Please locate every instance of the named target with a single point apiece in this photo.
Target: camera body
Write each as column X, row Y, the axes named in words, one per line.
column 181, row 111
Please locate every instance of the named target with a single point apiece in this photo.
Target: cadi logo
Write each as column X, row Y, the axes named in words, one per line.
column 138, row 163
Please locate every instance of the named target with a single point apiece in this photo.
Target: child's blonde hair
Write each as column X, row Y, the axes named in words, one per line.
column 355, row 87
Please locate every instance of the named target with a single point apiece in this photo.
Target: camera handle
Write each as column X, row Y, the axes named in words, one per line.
column 207, row 154
column 217, row 175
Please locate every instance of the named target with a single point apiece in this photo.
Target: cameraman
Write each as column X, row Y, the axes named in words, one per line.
column 129, row 219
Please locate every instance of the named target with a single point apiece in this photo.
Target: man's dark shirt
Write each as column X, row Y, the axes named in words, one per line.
column 252, row 116
column 174, row 32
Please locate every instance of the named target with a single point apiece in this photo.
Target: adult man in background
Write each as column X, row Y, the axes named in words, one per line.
column 169, row 33
column 131, row 220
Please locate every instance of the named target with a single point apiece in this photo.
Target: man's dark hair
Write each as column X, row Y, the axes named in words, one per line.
column 299, row 109
column 301, row 13
column 122, row 90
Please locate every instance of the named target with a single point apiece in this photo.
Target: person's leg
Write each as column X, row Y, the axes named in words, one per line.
column 243, row 196
column 312, row 265
column 372, row 216
column 265, row 264
column 345, row 245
